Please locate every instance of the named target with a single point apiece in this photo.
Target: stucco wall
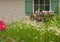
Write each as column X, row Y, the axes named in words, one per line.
column 12, row 9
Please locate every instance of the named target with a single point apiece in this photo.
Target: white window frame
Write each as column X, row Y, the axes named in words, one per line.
column 44, row 5
column 50, row 5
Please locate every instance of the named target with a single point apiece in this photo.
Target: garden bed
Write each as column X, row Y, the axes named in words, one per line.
column 23, row 31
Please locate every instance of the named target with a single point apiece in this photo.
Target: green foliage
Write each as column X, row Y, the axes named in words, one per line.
column 24, row 31
column 48, row 17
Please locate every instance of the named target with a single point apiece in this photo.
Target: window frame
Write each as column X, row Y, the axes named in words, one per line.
column 44, row 5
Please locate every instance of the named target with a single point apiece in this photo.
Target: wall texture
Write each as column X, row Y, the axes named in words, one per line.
column 12, row 9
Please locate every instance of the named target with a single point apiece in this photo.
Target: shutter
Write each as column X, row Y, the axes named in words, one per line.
column 28, row 7
column 55, row 5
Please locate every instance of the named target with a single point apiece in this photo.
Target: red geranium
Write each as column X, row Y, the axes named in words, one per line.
column 2, row 25
column 49, row 12
column 43, row 12
column 35, row 14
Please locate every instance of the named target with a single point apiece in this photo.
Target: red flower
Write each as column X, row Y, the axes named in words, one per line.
column 35, row 14
column 2, row 25
column 43, row 12
column 49, row 12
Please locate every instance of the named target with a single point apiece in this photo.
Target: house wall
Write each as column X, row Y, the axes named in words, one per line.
column 12, row 9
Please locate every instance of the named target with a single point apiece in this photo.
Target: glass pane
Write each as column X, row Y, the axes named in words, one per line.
column 47, row 1
column 41, row 8
column 47, row 8
column 35, row 5
column 35, row 1
column 47, row 5
column 41, row 1
column 35, row 8
column 41, row 5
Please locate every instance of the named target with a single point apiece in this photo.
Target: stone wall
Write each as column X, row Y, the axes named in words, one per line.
column 12, row 9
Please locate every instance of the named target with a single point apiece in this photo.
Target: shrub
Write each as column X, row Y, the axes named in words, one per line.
column 24, row 31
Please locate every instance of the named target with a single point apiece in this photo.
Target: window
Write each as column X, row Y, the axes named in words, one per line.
column 40, row 5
